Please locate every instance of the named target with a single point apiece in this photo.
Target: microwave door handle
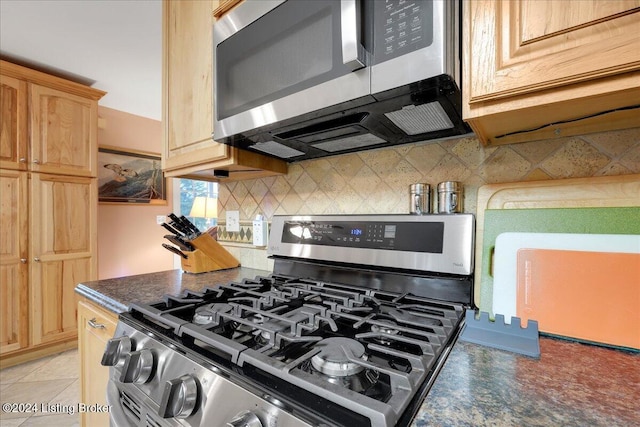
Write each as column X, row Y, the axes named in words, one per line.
column 352, row 50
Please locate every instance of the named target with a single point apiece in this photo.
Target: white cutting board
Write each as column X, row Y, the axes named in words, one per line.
column 506, row 255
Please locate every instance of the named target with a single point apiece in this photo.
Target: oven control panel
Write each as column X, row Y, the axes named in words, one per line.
column 402, row 236
column 430, row 243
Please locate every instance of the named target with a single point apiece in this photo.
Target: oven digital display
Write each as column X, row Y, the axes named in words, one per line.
column 401, row 236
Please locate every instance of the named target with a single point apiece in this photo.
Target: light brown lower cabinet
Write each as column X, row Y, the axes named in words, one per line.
column 95, row 327
column 63, row 245
column 14, row 269
column 43, row 259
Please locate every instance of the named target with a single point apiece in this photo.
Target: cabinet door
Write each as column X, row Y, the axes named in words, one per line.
column 188, row 82
column 545, row 69
column 96, row 327
column 63, row 132
column 525, row 46
column 63, row 247
column 13, row 123
column 13, row 256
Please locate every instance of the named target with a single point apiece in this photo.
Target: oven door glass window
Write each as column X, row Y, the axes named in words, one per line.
column 296, row 46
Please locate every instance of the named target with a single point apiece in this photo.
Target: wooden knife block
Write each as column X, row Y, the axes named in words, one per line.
column 208, row 256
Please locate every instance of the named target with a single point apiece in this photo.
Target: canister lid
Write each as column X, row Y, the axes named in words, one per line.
column 420, row 188
column 450, row 186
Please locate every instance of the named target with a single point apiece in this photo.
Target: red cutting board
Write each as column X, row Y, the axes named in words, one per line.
column 593, row 296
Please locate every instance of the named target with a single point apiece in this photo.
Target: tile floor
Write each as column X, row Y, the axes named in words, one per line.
column 51, row 383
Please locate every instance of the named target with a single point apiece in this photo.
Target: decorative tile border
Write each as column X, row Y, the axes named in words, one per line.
column 245, row 235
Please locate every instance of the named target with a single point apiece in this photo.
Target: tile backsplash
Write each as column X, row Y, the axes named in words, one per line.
column 377, row 181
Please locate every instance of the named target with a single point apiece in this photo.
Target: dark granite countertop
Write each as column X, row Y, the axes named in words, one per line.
column 571, row 384
column 117, row 294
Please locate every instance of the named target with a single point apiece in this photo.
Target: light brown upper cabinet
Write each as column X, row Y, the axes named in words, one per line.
column 13, row 123
column 189, row 150
column 48, row 124
column 63, row 132
column 538, row 69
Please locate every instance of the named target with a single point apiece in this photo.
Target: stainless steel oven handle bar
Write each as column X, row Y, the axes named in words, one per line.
column 353, row 54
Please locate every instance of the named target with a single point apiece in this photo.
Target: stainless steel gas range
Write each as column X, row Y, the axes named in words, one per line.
column 350, row 329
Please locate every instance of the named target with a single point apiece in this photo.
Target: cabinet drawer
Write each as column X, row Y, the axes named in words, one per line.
column 97, row 321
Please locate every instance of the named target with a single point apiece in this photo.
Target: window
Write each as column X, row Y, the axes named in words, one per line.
column 187, row 190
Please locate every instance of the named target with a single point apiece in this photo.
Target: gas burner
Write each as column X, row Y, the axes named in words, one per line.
column 333, row 358
column 256, row 318
column 262, row 337
column 361, row 382
column 388, row 328
column 205, row 314
column 387, row 331
column 253, row 319
column 332, row 365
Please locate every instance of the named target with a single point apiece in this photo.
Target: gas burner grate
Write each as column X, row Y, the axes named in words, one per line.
column 277, row 325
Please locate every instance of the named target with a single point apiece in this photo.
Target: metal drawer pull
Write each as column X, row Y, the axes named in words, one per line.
column 94, row 324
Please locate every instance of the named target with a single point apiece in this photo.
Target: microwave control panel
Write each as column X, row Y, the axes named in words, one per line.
column 401, row 26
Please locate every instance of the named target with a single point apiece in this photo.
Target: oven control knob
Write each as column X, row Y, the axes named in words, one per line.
column 138, row 367
column 116, row 350
column 245, row 419
column 179, row 397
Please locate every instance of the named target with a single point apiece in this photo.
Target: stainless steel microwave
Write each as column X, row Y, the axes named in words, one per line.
column 300, row 79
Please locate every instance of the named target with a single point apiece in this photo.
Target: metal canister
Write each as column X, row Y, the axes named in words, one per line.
column 420, row 198
column 450, row 196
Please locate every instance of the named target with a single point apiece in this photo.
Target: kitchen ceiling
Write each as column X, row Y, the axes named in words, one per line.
column 112, row 45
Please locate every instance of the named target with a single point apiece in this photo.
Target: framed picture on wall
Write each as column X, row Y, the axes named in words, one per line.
column 127, row 176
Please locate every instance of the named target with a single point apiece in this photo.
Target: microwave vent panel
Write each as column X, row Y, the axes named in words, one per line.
column 349, row 143
column 276, row 149
column 414, row 120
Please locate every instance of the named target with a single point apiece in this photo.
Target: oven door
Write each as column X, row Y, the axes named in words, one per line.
column 276, row 60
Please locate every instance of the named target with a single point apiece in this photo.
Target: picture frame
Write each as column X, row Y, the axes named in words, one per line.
column 130, row 176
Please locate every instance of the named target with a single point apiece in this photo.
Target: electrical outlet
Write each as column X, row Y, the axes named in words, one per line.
column 260, row 232
column 161, row 219
column 233, row 221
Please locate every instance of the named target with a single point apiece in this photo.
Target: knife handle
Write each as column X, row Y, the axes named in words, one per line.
column 171, row 229
column 176, row 223
column 180, row 228
column 190, row 225
column 175, row 219
column 182, row 244
column 174, row 250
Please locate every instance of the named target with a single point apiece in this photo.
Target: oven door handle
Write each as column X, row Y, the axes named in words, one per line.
column 353, row 54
